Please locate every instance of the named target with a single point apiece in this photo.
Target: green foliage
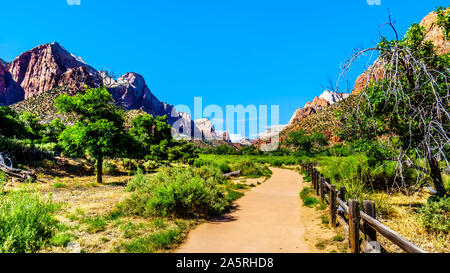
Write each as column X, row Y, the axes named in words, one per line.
column 62, row 239
column 3, row 181
column 308, row 200
column 32, row 126
column 100, row 127
column 405, row 105
column 435, row 214
column 27, row 221
column 156, row 241
column 53, row 130
column 152, row 137
column 308, row 143
column 99, row 130
column 443, row 21
column 250, row 169
column 110, row 168
column 10, row 124
column 182, row 151
column 181, row 192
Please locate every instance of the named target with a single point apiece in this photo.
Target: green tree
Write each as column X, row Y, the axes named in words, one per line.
column 32, row 125
column 53, row 130
column 408, row 105
column 152, row 137
column 310, row 143
column 99, row 130
column 10, row 124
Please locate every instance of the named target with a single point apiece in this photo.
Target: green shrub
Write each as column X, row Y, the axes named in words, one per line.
column 59, row 185
column 150, row 165
column 224, row 167
column 110, row 168
column 181, row 192
column 249, row 168
column 62, row 239
column 435, row 214
column 27, row 221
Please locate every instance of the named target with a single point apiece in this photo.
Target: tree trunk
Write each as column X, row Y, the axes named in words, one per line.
column 99, row 169
column 435, row 172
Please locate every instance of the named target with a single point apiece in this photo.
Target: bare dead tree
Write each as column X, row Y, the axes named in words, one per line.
column 6, row 165
column 414, row 92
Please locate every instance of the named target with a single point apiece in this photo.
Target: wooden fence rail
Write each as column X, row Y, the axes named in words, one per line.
column 354, row 221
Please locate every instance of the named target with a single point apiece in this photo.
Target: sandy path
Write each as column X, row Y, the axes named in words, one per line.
column 266, row 220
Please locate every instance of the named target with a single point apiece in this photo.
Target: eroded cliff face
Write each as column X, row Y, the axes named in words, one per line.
column 50, row 65
column 10, row 91
column 326, row 99
column 42, row 68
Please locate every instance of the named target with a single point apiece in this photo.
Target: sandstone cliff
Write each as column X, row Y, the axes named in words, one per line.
column 48, row 66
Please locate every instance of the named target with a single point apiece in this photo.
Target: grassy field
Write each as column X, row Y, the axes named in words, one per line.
column 144, row 213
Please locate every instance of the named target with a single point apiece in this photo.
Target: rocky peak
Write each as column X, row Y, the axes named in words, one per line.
column 245, row 142
column 333, row 97
column 226, row 137
column 41, row 68
column 326, row 99
column 206, row 127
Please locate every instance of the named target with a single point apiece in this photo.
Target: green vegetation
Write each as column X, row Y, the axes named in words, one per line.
column 308, row 200
column 26, row 221
column 179, row 192
column 435, row 215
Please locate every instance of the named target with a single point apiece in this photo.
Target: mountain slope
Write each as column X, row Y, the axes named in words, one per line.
column 34, row 79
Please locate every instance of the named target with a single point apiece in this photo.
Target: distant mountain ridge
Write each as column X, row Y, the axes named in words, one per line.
column 50, row 66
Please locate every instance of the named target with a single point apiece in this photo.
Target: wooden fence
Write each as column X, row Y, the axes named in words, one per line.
column 353, row 220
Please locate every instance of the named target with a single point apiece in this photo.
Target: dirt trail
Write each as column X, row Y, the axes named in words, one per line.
column 268, row 219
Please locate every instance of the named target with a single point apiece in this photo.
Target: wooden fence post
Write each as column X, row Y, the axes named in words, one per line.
column 370, row 233
column 342, row 193
column 353, row 224
column 322, row 187
column 318, row 184
column 333, row 206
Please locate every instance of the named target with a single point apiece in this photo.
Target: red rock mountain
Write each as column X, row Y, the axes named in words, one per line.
column 50, row 65
column 325, row 100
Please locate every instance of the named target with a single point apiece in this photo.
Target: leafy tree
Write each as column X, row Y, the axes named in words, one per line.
column 10, row 124
column 310, row 143
column 99, row 130
column 53, row 130
column 32, row 126
column 408, row 105
column 152, row 137
column 183, row 151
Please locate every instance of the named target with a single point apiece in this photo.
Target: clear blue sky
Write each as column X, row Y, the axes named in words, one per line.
column 227, row 51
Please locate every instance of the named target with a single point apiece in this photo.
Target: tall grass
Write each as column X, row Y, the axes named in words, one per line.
column 27, row 221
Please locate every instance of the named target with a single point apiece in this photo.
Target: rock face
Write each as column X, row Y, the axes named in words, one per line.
column 206, row 127
column 41, row 68
column 226, row 137
column 245, row 142
column 10, row 91
column 4, row 63
column 326, row 99
column 48, row 66
column 434, row 34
